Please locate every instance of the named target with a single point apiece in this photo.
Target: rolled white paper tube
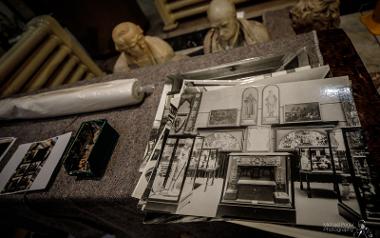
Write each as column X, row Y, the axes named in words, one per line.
column 88, row 98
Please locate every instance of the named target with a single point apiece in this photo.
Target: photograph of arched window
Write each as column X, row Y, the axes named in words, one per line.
column 249, row 108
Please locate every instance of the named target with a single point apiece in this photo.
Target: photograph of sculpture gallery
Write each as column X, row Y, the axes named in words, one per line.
column 264, row 165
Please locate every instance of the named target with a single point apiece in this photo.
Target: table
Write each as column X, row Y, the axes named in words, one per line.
column 320, row 177
column 89, row 208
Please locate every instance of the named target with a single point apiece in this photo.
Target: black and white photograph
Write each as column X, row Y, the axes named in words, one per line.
column 303, row 112
column 223, row 118
column 23, row 172
column 291, row 165
column 249, row 106
column 271, row 105
column 172, row 169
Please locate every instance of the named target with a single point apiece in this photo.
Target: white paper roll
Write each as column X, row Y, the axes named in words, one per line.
column 81, row 99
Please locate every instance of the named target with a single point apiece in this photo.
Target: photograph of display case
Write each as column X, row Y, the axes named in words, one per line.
column 258, row 182
column 315, row 158
column 362, row 202
column 317, row 164
column 171, row 170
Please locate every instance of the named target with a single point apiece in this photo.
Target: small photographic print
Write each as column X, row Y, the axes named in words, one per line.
column 303, row 112
column 225, row 117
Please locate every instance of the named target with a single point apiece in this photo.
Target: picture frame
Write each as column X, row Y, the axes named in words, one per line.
column 302, row 112
column 287, row 138
column 223, row 118
column 270, row 105
column 258, row 139
column 230, row 139
column 249, row 106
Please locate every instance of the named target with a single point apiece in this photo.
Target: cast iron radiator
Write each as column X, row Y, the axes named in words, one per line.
column 173, row 10
column 45, row 56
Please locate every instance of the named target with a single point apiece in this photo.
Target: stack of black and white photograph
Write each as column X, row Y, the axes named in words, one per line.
column 282, row 148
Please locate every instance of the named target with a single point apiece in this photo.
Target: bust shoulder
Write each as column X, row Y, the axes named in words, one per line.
column 254, row 31
column 161, row 50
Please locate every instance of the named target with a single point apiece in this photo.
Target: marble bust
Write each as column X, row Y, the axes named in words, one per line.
column 138, row 50
column 228, row 31
column 309, row 15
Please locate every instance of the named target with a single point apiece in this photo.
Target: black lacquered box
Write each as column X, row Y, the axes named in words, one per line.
column 91, row 149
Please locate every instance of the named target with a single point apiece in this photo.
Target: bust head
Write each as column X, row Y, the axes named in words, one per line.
column 129, row 38
column 222, row 16
column 315, row 14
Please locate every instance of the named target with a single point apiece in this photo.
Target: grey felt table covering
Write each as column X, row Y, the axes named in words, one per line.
column 106, row 204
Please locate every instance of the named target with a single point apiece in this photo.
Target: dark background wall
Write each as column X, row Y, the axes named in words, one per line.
column 92, row 21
